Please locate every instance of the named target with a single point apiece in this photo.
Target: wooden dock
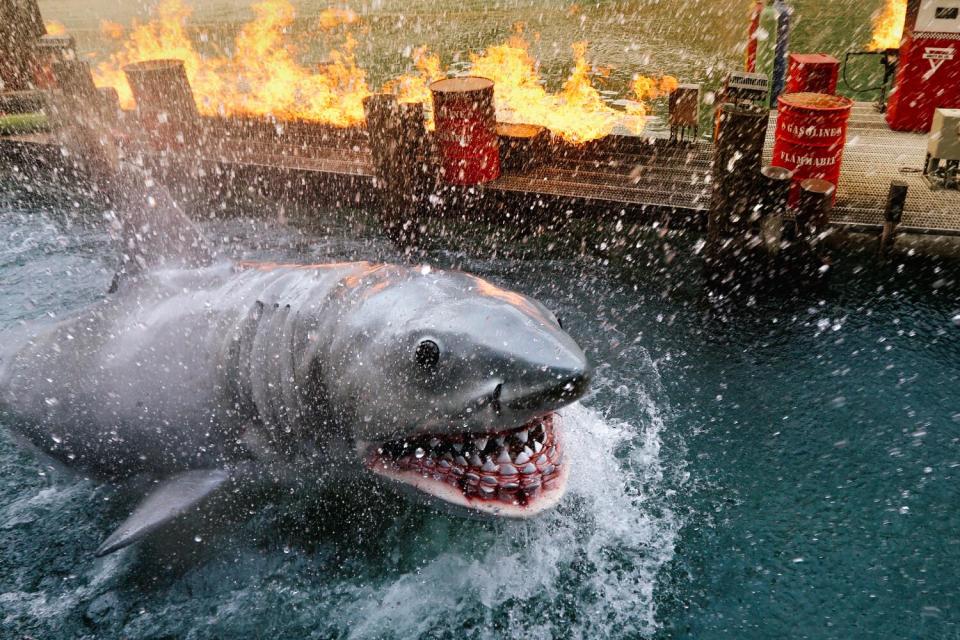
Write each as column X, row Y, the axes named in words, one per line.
column 642, row 179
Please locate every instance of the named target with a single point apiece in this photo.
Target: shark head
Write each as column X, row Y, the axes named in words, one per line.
column 449, row 386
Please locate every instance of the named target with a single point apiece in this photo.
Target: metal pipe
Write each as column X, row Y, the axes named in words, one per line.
column 784, row 13
column 752, row 43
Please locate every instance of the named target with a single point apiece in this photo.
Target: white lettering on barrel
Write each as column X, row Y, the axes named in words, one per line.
column 808, row 161
column 813, row 131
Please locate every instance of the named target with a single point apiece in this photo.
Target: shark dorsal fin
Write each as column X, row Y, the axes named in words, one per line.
column 154, row 229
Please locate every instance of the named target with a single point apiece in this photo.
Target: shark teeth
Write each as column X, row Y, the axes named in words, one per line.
column 510, row 466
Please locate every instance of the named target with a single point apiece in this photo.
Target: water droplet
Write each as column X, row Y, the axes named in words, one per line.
column 197, row 539
column 419, row 452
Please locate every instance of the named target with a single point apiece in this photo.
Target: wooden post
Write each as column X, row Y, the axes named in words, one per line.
column 813, row 208
column 77, row 115
column 736, row 163
column 775, row 184
column 165, row 104
column 896, row 201
column 404, row 172
column 737, row 159
column 20, row 26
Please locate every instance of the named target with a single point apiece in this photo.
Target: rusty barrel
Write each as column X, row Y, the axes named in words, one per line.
column 522, row 146
column 466, row 130
column 811, row 134
column 165, row 103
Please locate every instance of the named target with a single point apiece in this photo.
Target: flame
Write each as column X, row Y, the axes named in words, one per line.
column 416, row 87
column 577, row 113
column 263, row 77
column 334, row 17
column 646, row 88
column 55, row 28
column 888, row 25
column 112, row 30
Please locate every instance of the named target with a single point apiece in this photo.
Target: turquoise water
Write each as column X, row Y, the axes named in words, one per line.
column 787, row 470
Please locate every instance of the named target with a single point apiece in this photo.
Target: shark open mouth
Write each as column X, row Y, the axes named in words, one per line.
column 515, row 473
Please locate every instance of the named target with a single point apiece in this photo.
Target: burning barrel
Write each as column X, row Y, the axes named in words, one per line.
column 811, row 134
column 466, row 130
column 164, row 99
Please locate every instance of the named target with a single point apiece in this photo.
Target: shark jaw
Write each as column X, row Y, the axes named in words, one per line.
column 516, row 473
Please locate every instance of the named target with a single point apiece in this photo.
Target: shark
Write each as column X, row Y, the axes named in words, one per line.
column 211, row 377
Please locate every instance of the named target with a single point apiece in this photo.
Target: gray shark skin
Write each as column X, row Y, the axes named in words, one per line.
column 210, row 375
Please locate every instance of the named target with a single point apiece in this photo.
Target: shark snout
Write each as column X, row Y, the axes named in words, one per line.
column 560, row 388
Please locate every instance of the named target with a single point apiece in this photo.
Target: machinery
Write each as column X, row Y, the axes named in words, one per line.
column 685, row 112
column 943, row 150
column 889, row 59
column 928, row 76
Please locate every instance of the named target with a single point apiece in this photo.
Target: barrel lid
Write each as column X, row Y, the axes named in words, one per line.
column 462, row 84
column 818, row 101
column 772, row 172
column 511, row 130
column 818, row 186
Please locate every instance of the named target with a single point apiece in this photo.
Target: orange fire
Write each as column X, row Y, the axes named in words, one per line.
column 112, row 30
column 577, row 113
column 645, row 88
column 333, row 17
column 888, row 25
column 263, row 75
column 416, row 87
column 55, row 28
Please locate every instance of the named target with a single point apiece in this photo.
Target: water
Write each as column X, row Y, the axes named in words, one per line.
column 789, row 472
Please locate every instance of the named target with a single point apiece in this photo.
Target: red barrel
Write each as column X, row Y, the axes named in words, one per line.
column 466, row 130
column 811, row 134
column 812, row 73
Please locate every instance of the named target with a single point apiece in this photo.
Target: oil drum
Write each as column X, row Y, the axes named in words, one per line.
column 466, row 130
column 812, row 73
column 811, row 134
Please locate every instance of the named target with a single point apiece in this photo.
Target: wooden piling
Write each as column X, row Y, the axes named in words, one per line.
column 893, row 214
column 404, row 169
column 165, row 104
column 813, row 208
column 732, row 256
column 775, row 184
column 20, row 26
column 77, row 116
column 736, row 164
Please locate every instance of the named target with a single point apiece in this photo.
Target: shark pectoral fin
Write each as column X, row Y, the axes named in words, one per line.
column 174, row 497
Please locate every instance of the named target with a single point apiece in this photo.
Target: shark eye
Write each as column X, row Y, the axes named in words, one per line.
column 428, row 354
